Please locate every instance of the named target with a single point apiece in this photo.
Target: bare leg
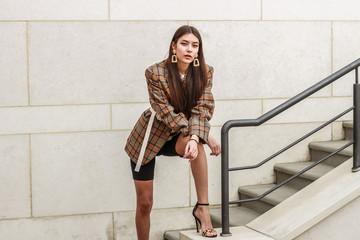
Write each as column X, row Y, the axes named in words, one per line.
column 200, row 174
column 144, row 202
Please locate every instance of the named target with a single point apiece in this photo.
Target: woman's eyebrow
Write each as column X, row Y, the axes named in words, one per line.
column 183, row 40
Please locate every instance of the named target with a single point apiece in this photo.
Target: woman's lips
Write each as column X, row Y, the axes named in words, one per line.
column 188, row 56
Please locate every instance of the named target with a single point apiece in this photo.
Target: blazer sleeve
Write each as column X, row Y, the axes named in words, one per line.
column 203, row 111
column 160, row 103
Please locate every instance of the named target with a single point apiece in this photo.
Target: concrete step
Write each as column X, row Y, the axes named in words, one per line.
column 318, row 150
column 239, row 216
column 269, row 201
column 173, row 235
column 284, row 171
column 348, row 127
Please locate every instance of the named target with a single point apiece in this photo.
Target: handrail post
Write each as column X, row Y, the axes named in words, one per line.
column 356, row 129
column 225, row 221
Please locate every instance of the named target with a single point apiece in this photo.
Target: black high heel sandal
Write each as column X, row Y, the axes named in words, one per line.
column 198, row 222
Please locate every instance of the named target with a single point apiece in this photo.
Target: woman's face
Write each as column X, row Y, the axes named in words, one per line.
column 186, row 48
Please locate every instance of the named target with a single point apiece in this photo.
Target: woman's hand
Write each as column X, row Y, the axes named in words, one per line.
column 191, row 150
column 214, row 146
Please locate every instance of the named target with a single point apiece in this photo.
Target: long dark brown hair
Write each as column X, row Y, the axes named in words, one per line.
column 185, row 96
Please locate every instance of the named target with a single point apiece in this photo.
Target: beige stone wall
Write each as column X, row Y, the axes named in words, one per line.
column 72, row 86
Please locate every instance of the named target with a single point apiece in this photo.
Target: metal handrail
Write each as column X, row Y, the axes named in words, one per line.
column 269, row 115
column 293, row 143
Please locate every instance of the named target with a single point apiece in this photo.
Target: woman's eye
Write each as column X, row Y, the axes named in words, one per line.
column 184, row 44
column 195, row 46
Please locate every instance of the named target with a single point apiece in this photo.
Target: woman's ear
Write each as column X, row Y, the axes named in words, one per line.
column 173, row 45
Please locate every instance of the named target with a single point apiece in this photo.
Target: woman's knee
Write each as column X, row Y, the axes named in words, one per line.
column 181, row 144
column 144, row 196
column 144, row 204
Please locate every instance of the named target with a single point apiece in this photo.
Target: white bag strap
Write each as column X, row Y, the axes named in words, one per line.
column 146, row 139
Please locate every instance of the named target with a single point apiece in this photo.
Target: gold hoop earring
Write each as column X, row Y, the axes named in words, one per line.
column 174, row 57
column 196, row 61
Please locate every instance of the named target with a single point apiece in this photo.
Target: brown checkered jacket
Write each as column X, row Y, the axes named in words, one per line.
column 166, row 120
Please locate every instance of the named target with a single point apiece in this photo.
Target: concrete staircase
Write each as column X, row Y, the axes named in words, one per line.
column 242, row 215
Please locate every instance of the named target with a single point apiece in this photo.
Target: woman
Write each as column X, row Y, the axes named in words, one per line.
column 177, row 124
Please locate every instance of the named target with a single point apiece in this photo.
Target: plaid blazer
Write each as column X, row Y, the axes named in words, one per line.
column 166, row 120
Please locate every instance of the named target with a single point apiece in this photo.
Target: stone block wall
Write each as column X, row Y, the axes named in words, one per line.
column 72, row 86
